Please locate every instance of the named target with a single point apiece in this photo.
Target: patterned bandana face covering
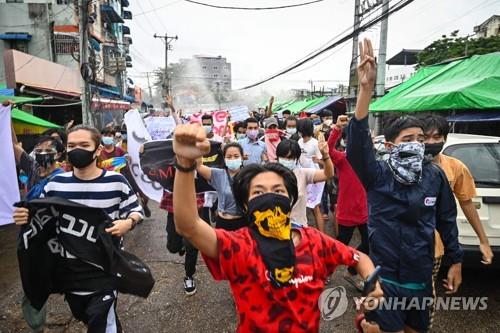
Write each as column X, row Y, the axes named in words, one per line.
column 269, row 217
column 405, row 162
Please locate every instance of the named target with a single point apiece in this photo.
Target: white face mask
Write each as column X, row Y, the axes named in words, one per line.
column 291, row 130
column 289, row 164
column 328, row 122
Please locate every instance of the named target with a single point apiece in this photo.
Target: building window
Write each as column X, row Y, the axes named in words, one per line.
column 216, row 76
column 65, row 44
column 225, row 75
column 15, row 1
column 63, row 2
column 215, row 67
column 225, row 67
column 204, row 67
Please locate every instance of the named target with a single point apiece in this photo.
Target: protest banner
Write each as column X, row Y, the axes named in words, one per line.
column 314, row 194
column 158, row 158
column 219, row 117
column 137, row 135
column 9, row 189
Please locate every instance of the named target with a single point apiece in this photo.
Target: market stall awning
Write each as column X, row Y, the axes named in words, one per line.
column 4, row 91
column 474, row 117
column 28, row 124
column 324, row 104
column 466, row 84
column 20, row 99
column 40, row 74
column 300, row 106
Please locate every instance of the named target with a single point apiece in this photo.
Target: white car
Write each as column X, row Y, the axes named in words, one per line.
column 481, row 154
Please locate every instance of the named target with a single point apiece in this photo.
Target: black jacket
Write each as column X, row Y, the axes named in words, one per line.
column 402, row 218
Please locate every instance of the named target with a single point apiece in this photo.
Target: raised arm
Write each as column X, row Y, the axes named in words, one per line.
column 175, row 115
column 204, row 171
column 360, row 152
column 190, row 143
column 269, row 112
column 327, row 172
column 335, row 135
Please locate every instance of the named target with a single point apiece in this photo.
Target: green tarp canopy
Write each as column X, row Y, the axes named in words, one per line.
column 25, row 117
column 301, row 105
column 20, row 99
column 471, row 83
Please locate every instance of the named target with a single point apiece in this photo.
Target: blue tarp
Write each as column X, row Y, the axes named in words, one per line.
column 323, row 105
column 474, row 117
column 129, row 98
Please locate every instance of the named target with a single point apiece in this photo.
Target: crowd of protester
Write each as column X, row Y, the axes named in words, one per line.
column 280, row 178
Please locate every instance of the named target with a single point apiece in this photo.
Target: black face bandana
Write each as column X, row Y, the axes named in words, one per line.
column 45, row 160
column 433, row 148
column 81, row 158
column 269, row 217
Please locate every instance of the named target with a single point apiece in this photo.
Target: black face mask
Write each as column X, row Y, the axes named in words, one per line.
column 433, row 148
column 45, row 160
column 269, row 217
column 81, row 158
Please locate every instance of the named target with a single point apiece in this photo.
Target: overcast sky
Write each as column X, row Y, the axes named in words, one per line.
column 260, row 43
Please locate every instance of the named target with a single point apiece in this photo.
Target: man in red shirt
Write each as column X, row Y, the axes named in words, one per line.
column 108, row 141
column 352, row 210
column 276, row 273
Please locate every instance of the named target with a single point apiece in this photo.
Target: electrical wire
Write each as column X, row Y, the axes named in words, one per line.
column 253, row 8
column 400, row 5
column 160, row 7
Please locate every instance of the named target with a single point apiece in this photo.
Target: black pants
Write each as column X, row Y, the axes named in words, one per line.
column 97, row 311
column 230, row 225
column 345, row 235
column 175, row 243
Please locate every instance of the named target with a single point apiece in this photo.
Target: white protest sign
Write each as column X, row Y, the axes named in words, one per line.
column 239, row 113
column 160, row 128
column 137, row 135
column 9, row 190
column 314, row 194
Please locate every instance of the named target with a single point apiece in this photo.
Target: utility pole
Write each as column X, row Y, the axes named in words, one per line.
column 149, row 88
column 167, row 40
column 83, row 9
column 382, row 54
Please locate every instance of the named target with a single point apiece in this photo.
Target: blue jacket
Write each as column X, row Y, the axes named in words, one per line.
column 402, row 218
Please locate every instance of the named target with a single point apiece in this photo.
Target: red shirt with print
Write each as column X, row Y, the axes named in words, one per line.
column 264, row 308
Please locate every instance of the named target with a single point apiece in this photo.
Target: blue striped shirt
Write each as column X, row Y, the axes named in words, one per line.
column 110, row 191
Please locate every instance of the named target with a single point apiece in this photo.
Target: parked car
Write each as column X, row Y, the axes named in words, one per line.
column 481, row 154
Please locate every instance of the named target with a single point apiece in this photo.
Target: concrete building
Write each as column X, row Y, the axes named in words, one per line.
column 48, row 29
column 490, row 27
column 400, row 67
column 214, row 72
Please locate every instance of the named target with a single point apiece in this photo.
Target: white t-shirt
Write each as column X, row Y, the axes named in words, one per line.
column 309, row 149
column 305, row 176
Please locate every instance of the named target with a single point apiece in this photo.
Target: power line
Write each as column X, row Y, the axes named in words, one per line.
column 400, row 5
column 254, row 8
column 160, row 7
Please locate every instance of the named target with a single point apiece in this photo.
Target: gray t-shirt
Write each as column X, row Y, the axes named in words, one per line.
column 222, row 183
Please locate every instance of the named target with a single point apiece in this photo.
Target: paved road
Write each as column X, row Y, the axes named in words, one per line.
column 211, row 310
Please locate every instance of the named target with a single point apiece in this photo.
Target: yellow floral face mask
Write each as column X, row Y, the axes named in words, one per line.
column 269, row 216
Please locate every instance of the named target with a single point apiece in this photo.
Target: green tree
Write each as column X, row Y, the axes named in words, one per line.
column 453, row 46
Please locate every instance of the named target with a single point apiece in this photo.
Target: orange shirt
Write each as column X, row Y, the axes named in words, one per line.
column 461, row 183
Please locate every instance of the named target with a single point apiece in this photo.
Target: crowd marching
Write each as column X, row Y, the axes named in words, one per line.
column 252, row 228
